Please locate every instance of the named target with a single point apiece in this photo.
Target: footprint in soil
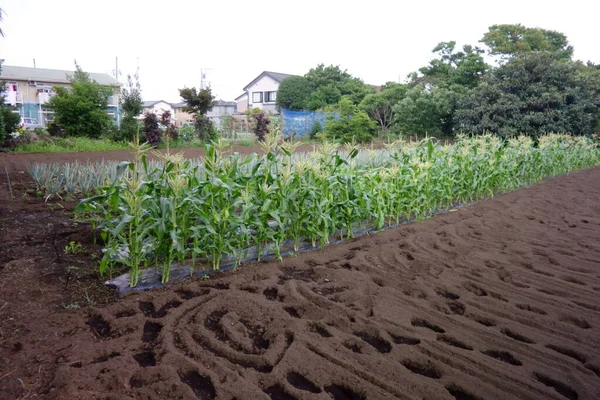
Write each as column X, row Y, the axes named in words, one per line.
column 475, row 289
column 320, row 330
column 568, row 352
column 301, row 383
column 461, row 394
column 343, row 393
column 381, row 345
column 202, row 386
column 427, row 369
column 426, row 324
column 151, row 331
column 454, row 342
column 147, row 308
column 99, row 326
column 533, row 309
column 277, row 392
column 145, row 358
column 398, row 339
column 485, row 321
column 187, row 294
column 560, row 387
column 270, row 293
column 516, row 336
column 503, row 356
column 447, row 294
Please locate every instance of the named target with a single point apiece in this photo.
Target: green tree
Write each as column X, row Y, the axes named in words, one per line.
column 132, row 106
column 199, row 102
column 379, row 106
column 81, row 109
column 293, row 93
column 330, row 81
column 425, row 110
column 509, row 40
column 532, row 94
column 352, row 124
column 463, row 68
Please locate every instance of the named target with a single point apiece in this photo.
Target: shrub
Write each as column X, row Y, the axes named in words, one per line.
column 205, row 128
column 261, row 126
column 11, row 121
column 55, row 129
column 352, row 124
column 152, row 131
column 186, row 133
column 316, row 129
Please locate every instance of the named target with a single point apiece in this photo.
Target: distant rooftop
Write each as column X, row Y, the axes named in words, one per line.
column 50, row 75
column 277, row 76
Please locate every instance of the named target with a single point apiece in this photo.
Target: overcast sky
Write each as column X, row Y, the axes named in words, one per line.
column 171, row 41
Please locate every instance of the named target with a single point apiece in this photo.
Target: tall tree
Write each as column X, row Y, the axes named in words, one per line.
column 81, row 109
column 451, row 67
column 509, row 40
column 533, row 93
column 132, row 106
column 379, row 106
column 199, row 102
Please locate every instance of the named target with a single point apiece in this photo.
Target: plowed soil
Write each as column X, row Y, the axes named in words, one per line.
column 499, row 300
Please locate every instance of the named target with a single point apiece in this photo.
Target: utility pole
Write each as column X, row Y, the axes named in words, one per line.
column 204, row 83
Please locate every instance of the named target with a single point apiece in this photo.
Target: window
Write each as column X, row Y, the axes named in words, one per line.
column 270, row 97
column 257, row 97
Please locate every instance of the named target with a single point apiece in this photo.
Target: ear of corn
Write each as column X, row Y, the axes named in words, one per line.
column 156, row 213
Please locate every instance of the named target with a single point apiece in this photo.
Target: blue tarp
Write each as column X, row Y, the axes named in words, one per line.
column 301, row 123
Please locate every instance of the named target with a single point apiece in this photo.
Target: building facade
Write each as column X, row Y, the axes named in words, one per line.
column 261, row 92
column 215, row 114
column 28, row 90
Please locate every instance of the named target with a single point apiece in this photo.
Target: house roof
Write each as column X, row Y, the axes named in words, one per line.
column 150, row 103
column 277, row 76
column 241, row 96
column 50, row 75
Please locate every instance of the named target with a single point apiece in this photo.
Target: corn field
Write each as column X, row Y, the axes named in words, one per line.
column 177, row 210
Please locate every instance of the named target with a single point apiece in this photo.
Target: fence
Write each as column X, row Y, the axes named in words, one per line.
column 301, row 123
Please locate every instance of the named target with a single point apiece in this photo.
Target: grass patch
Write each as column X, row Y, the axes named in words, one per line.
column 72, row 144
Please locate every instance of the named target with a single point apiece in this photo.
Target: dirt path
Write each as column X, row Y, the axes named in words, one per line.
column 499, row 300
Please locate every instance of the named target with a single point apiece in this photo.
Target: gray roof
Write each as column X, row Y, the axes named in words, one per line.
column 150, row 103
column 241, row 95
column 50, row 75
column 179, row 105
column 277, row 76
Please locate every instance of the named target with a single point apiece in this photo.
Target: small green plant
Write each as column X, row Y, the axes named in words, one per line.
column 73, row 248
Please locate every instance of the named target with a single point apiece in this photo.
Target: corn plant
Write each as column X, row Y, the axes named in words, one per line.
column 197, row 211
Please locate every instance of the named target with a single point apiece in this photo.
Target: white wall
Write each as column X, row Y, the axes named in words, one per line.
column 159, row 108
column 265, row 84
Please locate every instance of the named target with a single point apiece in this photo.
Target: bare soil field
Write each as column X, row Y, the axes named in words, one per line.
column 499, row 300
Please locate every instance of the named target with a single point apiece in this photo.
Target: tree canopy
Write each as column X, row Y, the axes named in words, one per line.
column 509, row 40
column 81, row 109
column 532, row 94
column 320, row 87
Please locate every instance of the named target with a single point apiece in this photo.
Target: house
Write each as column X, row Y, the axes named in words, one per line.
column 157, row 107
column 29, row 89
column 220, row 108
column 261, row 92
